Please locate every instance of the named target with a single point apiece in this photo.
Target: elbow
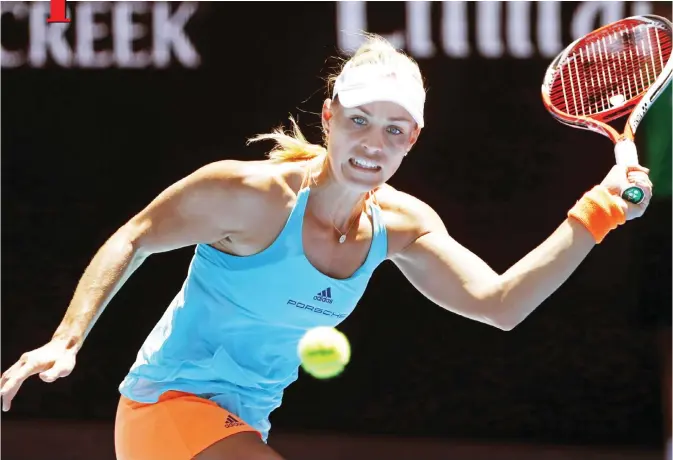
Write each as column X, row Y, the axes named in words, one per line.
column 506, row 314
column 502, row 321
column 501, row 314
column 129, row 240
column 505, row 326
column 493, row 309
column 494, row 314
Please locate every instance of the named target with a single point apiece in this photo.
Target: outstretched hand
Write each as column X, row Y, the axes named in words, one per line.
column 52, row 361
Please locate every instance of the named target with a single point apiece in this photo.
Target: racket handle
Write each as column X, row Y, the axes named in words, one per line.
column 626, row 154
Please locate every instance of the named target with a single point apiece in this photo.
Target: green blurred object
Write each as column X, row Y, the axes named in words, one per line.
column 657, row 132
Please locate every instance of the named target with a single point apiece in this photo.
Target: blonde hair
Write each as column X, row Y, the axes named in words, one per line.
column 293, row 146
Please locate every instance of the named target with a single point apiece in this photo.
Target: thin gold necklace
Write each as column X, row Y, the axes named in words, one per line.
column 342, row 236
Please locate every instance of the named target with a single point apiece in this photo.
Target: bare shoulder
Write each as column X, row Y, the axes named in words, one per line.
column 245, row 177
column 406, row 217
column 255, row 185
column 258, row 195
column 225, row 200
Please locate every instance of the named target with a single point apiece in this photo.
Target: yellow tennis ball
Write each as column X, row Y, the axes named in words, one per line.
column 324, row 352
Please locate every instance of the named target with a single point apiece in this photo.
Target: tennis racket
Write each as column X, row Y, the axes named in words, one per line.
column 617, row 70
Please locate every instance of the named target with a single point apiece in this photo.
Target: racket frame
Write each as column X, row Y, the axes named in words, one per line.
column 642, row 102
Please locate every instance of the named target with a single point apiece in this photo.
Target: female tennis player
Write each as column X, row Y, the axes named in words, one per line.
column 287, row 244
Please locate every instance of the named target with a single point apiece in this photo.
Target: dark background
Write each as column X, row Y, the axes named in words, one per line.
column 85, row 149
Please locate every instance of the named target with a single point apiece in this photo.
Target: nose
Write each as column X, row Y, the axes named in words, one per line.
column 373, row 143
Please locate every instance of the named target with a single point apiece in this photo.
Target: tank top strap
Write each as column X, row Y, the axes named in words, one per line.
column 290, row 237
column 379, row 248
column 296, row 217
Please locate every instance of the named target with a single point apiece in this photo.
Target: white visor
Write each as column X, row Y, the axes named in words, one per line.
column 364, row 84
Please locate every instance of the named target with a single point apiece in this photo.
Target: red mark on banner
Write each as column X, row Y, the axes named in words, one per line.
column 57, row 11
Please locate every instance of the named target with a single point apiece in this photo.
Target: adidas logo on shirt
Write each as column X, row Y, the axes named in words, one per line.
column 324, row 296
column 232, row 422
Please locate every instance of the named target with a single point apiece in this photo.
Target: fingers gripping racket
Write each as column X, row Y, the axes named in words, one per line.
column 617, row 70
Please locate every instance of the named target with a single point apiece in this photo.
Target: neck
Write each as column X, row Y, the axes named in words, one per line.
column 331, row 202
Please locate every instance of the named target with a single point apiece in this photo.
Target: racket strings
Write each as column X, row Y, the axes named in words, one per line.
column 613, row 67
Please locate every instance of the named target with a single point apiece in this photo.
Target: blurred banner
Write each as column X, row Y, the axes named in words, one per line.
column 102, row 114
column 153, row 34
column 127, row 35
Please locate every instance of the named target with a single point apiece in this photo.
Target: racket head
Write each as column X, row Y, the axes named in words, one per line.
column 608, row 73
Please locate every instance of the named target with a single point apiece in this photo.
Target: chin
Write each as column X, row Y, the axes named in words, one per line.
column 362, row 187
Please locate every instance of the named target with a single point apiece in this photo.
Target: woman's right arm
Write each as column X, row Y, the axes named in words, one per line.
column 204, row 207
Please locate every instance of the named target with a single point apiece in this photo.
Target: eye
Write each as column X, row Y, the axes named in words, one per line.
column 359, row 120
column 394, row 130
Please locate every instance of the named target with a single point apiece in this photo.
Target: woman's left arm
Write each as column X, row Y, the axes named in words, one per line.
column 456, row 279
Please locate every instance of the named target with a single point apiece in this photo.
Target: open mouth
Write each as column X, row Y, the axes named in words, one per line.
column 364, row 165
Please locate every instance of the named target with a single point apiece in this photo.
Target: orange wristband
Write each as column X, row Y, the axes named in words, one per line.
column 599, row 212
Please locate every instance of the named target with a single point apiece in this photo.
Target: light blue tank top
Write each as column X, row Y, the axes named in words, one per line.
column 231, row 333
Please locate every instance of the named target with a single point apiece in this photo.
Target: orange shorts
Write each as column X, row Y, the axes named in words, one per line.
column 177, row 427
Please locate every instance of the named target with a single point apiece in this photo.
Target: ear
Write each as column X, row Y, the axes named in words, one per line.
column 414, row 137
column 326, row 115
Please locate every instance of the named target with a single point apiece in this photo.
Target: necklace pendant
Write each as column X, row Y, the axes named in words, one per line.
column 342, row 238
